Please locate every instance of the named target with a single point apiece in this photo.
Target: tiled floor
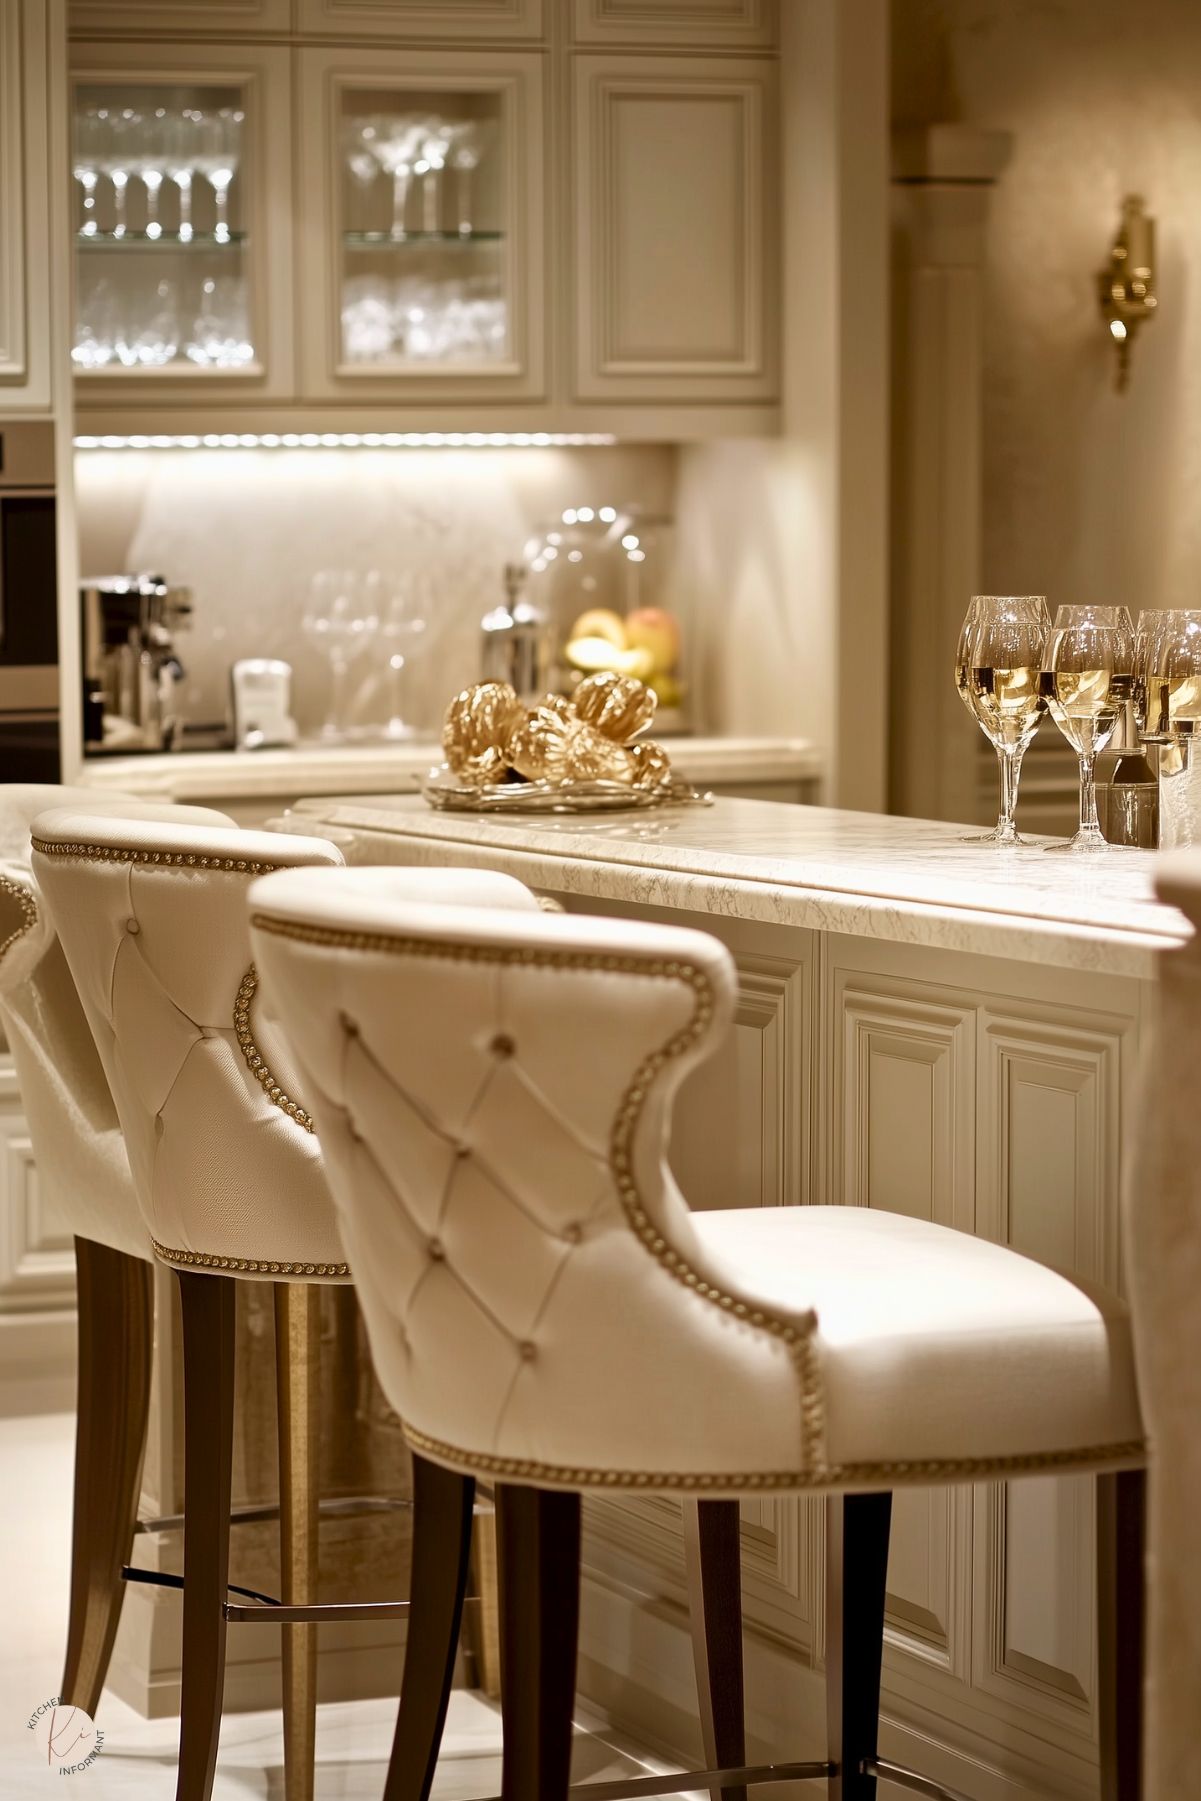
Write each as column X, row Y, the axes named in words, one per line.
column 139, row 1755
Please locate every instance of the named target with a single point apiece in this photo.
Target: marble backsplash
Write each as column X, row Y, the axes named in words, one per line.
column 247, row 529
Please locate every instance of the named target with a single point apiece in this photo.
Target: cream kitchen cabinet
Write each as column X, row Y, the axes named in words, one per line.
column 187, row 18
column 182, row 187
column 421, row 209
column 459, row 20
column 27, row 169
column 676, row 249
column 676, row 24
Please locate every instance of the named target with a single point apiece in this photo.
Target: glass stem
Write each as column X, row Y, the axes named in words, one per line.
column 119, row 180
column 222, row 231
column 429, row 202
column 184, row 184
column 1011, row 769
column 335, row 726
column 1090, row 825
column 400, row 195
column 464, row 186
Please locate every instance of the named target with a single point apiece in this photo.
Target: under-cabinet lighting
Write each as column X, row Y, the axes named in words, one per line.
column 344, row 440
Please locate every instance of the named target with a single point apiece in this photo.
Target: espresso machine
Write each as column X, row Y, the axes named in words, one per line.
column 130, row 668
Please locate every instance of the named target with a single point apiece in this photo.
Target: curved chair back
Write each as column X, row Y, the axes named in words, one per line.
column 83, row 1171
column 538, row 1301
column 152, row 919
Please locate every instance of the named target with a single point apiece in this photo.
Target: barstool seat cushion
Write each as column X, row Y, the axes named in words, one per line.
column 933, row 1345
column 83, row 1169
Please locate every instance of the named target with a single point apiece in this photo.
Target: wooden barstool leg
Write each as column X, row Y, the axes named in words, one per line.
column 298, row 1390
column 442, row 1513
column 1121, row 1630
column 116, row 1335
column 856, row 1572
column 712, row 1556
column 208, row 1382
column 538, row 1538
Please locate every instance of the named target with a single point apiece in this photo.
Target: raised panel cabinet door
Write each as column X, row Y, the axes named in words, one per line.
column 182, row 202
column 421, row 218
column 904, row 1141
column 678, row 24
column 455, row 21
column 676, row 229
column 182, row 18
column 25, row 250
column 37, row 1252
column 1050, row 1085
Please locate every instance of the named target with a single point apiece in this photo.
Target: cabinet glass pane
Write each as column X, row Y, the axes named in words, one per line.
column 422, row 228
column 160, row 242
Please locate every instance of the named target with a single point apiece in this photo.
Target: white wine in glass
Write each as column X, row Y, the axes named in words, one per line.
column 1087, row 679
column 997, row 669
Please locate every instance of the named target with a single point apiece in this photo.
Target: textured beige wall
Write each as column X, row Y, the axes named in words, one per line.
column 1089, row 495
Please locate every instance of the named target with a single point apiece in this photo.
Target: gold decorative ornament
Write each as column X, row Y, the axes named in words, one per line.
column 479, row 724
column 619, row 706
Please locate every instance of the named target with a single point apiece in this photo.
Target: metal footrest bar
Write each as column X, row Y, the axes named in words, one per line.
column 166, row 1579
column 673, row 1781
column 920, row 1785
column 338, row 1507
column 321, row 1613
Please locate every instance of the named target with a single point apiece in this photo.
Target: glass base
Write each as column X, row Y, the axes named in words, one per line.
column 1010, row 840
column 397, row 731
column 1084, row 844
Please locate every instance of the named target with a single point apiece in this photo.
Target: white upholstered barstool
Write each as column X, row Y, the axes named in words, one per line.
column 545, row 1311
column 83, row 1175
column 229, row 1176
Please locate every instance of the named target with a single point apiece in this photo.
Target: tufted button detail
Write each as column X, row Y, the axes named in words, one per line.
column 527, row 1351
column 462, row 1150
column 437, row 1254
column 348, row 1025
column 159, row 1125
column 502, row 1045
column 573, row 1234
column 131, row 925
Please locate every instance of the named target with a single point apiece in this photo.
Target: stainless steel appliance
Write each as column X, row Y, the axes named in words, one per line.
column 517, row 641
column 29, row 678
column 130, row 667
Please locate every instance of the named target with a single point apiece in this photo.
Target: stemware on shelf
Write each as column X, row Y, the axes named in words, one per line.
column 89, row 145
column 430, row 164
column 218, row 148
column 997, row 668
column 397, row 146
column 118, row 159
column 1088, row 677
column 340, row 621
column 402, row 608
column 149, row 164
column 469, row 139
column 179, row 163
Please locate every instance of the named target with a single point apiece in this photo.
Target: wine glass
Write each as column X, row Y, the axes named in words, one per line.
column 1174, row 653
column 219, row 137
column 87, row 162
column 118, row 159
column 339, row 621
column 1088, row 674
column 1003, row 643
column 430, row 164
column 179, row 154
column 149, row 156
column 1150, row 696
column 468, row 138
column 358, row 140
column 397, row 144
column 402, row 608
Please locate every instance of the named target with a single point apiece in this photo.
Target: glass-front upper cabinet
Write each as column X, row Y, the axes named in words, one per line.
column 422, row 206
column 182, row 207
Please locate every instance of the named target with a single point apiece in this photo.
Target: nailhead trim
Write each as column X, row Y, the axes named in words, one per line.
column 166, row 859
column 797, row 1337
column 254, row 1057
column 250, row 1266
column 29, row 909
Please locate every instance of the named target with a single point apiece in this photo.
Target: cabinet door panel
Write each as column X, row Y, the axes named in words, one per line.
column 25, row 246
column 676, row 228
column 37, row 1252
column 223, row 18
column 677, row 24
column 460, row 20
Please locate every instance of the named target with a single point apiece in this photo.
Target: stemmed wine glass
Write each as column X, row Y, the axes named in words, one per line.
column 396, row 145
column 118, row 160
column 429, row 166
column 1088, row 674
column 149, row 163
column 468, row 139
column 179, row 163
column 403, row 612
column 1150, row 694
column 340, row 621
column 90, row 132
column 997, row 667
column 218, row 138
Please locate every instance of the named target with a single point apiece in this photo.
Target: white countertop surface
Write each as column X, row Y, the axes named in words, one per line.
column 315, row 768
column 906, row 880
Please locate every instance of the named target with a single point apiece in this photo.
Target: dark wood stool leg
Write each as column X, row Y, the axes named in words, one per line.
column 116, row 1334
column 298, row 1407
column 443, row 1505
column 538, row 1535
column 1121, row 1626
column 208, row 1384
column 712, row 1554
column 856, row 1571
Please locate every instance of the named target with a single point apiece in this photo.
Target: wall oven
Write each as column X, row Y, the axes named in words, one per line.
column 29, row 677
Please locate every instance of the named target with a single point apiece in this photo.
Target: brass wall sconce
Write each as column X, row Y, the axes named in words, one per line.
column 1127, row 286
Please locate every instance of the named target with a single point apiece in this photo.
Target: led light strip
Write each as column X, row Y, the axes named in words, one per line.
column 345, row 440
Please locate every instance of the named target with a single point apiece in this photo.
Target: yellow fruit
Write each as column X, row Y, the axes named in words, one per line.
column 594, row 654
column 669, row 689
column 600, row 622
column 654, row 630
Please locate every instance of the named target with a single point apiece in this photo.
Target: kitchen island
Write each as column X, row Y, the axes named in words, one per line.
column 926, row 1026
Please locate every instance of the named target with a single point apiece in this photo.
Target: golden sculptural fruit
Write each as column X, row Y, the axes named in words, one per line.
column 478, row 726
column 488, row 736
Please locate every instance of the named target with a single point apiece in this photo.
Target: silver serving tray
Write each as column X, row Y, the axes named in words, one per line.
column 449, row 793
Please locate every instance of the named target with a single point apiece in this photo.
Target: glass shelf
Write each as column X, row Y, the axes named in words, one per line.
column 384, row 240
column 167, row 240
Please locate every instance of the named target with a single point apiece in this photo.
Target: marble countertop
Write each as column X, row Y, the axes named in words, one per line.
column 319, row 769
column 904, row 880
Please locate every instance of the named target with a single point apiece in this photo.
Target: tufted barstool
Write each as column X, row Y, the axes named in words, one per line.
column 229, row 1176
column 545, row 1311
column 83, row 1173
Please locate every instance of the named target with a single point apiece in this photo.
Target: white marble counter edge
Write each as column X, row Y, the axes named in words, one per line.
column 1107, row 950
column 382, row 768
